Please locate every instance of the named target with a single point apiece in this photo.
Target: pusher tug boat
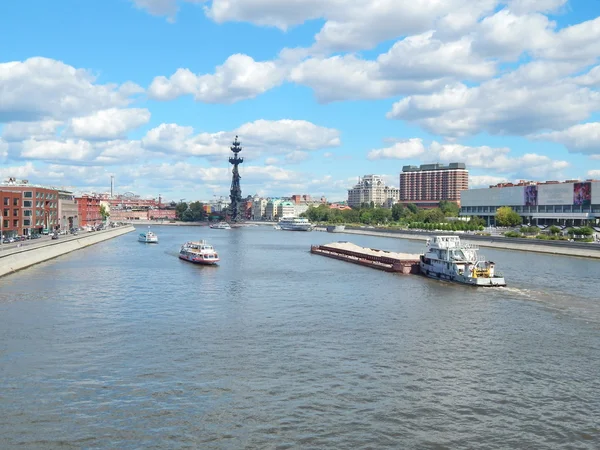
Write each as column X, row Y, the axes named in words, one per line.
column 446, row 258
column 199, row 252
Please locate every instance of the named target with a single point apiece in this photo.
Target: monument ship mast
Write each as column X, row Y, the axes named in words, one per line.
column 235, row 207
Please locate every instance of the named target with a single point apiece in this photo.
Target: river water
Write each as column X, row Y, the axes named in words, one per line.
column 123, row 345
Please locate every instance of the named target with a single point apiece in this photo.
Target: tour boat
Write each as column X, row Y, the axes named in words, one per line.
column 446, row 258
column 295, row 224
column 199, row 252
column 221, row 226
column 148, row 237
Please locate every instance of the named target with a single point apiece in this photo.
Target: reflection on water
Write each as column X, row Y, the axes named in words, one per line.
column 123, row 345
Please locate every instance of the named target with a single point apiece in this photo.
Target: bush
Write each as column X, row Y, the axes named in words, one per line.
column 513, row 234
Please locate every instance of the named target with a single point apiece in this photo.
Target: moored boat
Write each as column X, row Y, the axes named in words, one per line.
column 447, row 258
column 199, row 252
column 148, row 237
column 336, row 228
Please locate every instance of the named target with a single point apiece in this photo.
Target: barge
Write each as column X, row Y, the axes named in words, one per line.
column 378, row 259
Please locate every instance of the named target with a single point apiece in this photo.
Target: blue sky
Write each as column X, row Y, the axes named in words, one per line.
column 320, row 92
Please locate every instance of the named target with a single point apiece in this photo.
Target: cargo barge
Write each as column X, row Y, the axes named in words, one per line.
column 405, row 263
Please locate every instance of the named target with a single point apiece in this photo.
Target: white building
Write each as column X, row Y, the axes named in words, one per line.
column 372, row 189
column 286, row 209
column 271, row 208
column 259, row 206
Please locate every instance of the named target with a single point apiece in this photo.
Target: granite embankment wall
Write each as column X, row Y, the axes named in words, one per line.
column 580, row 249
column 15, row 259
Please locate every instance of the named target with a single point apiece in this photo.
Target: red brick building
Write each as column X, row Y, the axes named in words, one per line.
column 11, row 223
column 88, row 208
column 38, row 207
column 427, row 185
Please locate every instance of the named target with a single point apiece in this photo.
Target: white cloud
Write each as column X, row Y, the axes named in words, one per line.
column 296, row 156
column 239, row 78
column 533, row 97
column 51, row 150
column 528, row 6
column 271, row 161
column 582, row 138
column 3, row 149
column 289, row 134
column 479, row 181
column 43, row 88
column 110, row 123
column 407, row 149
column 594, row 173
column 482, row 157
column 19, row 131
column 591, row 78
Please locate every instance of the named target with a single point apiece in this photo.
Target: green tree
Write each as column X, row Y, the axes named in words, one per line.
column 412, row 208
column 434, row 215
column 195, row 212
column 450, row 209
column 507, row 217
column 381, row 215
column 104, row 212
column 397, row 211
column 180, row 209
column 554, row 230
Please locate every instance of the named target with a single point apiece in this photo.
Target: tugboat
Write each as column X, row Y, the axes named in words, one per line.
column 199, row 252
column 148, row 237
column 446, row 258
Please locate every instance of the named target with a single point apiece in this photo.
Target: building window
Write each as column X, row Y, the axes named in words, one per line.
column 6, row 201
column 28, row 213
column 28, row 194
column 27, row 203
column 6, row 212
column 16, row 201
column 16, row 223
column 15, row 212
column 26, row 222
column 6, row 224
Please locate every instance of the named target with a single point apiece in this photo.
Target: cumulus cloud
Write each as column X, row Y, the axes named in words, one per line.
column 480, row 181
column 533, row 97
column 581, row 138
column 19, row 131
column 499, row 160
column 239, row 78
column 110, row 123
column 42, row 88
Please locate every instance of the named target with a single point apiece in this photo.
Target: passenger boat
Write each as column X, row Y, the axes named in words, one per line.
column 221, row 226
column 295, row 224
column 148, row 237
column 199, row 252
column 446, row 258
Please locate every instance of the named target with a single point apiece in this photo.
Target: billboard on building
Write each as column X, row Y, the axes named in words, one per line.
column 530, row 197
column 555, row 194
column 582, row 194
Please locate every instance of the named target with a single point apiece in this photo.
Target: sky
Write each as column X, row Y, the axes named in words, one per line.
column 320, row 92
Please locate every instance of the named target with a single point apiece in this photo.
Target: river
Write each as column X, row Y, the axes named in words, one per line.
column 123, row 345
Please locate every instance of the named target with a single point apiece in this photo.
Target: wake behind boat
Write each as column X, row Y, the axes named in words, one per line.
column 148, row 237
column 200, row 252
column 446, row 258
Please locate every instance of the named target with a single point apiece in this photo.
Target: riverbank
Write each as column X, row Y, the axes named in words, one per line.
column 18, row 258
column 583, row 250
column 191, row 224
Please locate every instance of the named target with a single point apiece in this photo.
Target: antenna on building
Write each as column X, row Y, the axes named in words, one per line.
column 112, row 185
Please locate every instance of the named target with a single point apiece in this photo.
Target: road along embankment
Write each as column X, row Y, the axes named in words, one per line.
column 22, row 257
column 579, row 249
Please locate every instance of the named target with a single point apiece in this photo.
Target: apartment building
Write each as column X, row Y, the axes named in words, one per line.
column 428, row 184
column 371, row 189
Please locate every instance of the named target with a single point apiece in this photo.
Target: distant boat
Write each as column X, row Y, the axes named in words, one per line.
column 148, row 237
column 295, row 224
column 221, row 226
column 200, row 252
column 336, row 228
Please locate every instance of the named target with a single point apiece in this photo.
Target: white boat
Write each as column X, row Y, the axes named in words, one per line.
column 446, row 258
column 295, row 224
column 221, row 226
column 200, row 252
column 148, row 237
column 336, row 228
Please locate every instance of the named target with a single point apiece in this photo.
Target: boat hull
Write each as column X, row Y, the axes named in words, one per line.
column 148, row 241
column 295, row 228
column 199, row 260
column 433, row 272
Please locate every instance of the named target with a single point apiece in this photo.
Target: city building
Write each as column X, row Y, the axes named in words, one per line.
column 68, row 212
column 286, row 209
column 12, row 220
column 259, row 205
column 371, row 189
column 428, row 184
column 539, row 203
column 88, row 207
column 271, row 208
column 39, row 206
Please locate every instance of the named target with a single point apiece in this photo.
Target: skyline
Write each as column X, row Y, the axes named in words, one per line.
column 321, row 93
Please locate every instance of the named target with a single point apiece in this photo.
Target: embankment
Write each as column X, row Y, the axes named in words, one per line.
column 26, row 256
column 579, row 249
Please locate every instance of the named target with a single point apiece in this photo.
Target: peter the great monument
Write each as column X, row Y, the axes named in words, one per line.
column 236, row 207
